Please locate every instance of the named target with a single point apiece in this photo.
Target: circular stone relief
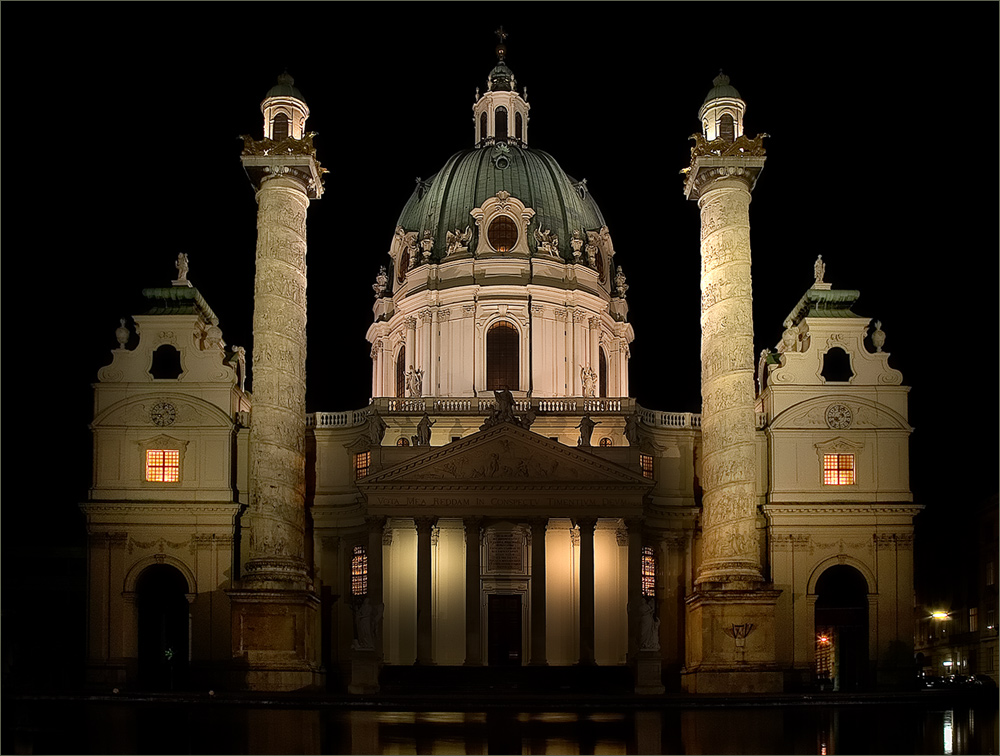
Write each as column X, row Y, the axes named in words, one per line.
column 163, row 413
column 839, row 416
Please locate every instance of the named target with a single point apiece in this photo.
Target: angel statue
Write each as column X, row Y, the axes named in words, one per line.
column 458, row 241
column 620, row 283
column 548, row 242
column 381, row 282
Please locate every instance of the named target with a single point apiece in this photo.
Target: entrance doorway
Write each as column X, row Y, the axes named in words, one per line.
column 504, row 629
column 842, row 629
column 163, row 627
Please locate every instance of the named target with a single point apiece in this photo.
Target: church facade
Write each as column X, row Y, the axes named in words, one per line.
column 502, row 500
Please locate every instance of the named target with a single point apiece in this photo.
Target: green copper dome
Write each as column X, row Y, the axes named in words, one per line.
column 285, row 88
column 443, row 203
column 721, row 88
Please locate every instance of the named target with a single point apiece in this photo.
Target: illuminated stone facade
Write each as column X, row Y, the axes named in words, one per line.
column 501, row 500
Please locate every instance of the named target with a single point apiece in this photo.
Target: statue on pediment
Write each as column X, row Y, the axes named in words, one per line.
column 423, row 437
column 586, row 427
column 376, row 427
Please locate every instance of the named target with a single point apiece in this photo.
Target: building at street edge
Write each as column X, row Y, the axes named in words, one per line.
column 501, row 500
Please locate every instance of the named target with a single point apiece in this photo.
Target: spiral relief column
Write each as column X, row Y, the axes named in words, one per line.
column 729, row 586
column 275, row 609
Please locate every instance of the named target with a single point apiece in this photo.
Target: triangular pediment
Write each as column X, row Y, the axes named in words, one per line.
column 505, row 463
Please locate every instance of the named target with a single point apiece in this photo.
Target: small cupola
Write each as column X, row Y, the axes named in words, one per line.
column 500, row 113
column 721, row 115
column 285, row 110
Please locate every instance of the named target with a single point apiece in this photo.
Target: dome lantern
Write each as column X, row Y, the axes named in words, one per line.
column 501, row 113
column 721, row 114
column 285, row 110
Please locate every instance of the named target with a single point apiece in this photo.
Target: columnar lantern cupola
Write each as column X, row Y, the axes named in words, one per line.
column 501, row 113
column 722, row 112
column 285, row 110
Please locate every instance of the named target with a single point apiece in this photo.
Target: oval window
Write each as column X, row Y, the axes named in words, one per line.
column 502, row 234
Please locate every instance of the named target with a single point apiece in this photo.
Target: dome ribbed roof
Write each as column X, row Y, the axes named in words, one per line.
column 443, row 203
column 721, row 88
column 285, row 88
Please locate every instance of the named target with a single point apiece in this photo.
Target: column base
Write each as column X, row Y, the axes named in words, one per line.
column 730, row 642
column 365, row 668
column 649, row 674
column 275, row 640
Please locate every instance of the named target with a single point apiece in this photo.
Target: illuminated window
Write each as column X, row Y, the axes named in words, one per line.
column 838, row 469
column 502, row 359
column 362, row 463
column 646, row 461
column 607, row 442
column 502, row 234
column 973, row 620
column 402, row 441
column 359, row 572
column 648, row 571
column 163, row 465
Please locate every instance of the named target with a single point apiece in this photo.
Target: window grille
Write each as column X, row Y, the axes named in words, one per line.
column 362, row 464
column 727, row 128
column 838, row 470
column 280, row 129
column 648, row 571
column 607, row 442
column 646, row 460
column 502, row 234
column 163, row 465
column 359, row 572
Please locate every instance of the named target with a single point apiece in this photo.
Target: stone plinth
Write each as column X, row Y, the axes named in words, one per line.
column 365, row 668
column 730, row 642
column 276, row 640
column 648, row 673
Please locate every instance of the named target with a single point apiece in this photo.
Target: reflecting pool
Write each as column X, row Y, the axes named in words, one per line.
column 103, row 727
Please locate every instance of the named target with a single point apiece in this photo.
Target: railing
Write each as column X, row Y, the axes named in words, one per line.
column 483, row 406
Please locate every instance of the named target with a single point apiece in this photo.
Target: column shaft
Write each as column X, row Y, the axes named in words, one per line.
column 730, row 550
column 586, row 526
column 538, row 652
column 425, row 646
column 473, row 618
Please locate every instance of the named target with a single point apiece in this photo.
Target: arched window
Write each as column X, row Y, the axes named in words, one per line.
column 727, row 128
column 163, row 629
column 518, row 127
column 502, row 234
column 501, row 124
column 166, row 363
column 279, row 130
column 837, row 366
column 502, row 357
column 602, row 373
column 482, row 126
column 606, row 441
column 401, row 372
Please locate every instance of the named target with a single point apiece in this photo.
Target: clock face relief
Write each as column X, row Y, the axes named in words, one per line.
column 839, row 416
column 163, row 413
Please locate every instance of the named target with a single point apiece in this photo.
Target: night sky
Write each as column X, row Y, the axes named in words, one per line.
column 122, row 124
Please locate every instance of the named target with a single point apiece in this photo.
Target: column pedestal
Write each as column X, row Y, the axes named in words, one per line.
column 731, row 643
column 276, row 640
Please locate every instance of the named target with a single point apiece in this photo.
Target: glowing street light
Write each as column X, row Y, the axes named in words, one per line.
column 939, row 615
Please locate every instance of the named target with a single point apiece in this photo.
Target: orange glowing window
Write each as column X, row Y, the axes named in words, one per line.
column 163, row 465
column 362, row 464
column 359, row 572
column 838, row 469
column 646, row 461
column 648, row 571
column 502, row 233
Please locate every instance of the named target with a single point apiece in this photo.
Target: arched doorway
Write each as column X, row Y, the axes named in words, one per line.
column 842, row 628
column 164, row 627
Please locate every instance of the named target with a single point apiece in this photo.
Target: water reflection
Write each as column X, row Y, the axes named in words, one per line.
column 210, row 728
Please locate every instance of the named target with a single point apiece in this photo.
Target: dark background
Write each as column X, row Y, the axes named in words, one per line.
column 121, row 150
